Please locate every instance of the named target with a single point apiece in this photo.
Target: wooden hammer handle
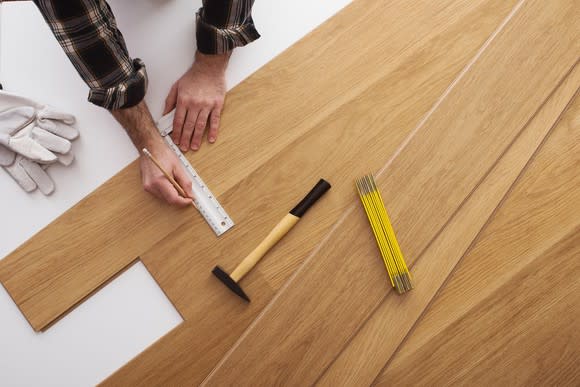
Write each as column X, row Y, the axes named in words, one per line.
column 280, row 230
column 273, row 237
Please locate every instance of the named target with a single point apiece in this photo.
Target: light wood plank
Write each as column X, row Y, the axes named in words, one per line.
column 397, row 101
column 423, row 187
column 60, row 266
column 384, row 331
column 509, row 313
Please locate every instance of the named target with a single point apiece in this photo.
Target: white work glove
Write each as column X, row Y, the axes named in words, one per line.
column 35, row 131
column 32, row 136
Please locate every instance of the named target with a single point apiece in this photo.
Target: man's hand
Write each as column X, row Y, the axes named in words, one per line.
column 198, row 99
column 144, row 134
column 157, row 184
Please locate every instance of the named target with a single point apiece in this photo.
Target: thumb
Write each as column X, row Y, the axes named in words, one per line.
column 183, row 180
column 171, row 100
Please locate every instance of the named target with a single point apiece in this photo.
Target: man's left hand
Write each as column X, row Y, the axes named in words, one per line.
column 198, row 99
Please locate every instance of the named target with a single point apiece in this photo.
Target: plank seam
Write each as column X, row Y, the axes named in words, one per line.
column 82, row 299
column 485, row 225
column 352, row 207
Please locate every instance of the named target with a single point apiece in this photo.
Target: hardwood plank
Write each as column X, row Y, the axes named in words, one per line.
column 508, row 314
column 382, row 334
column 60, row 266
column 397, row 100
column 425, row 185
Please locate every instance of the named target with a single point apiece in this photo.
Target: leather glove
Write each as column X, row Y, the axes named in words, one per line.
column 30, row 175
column 34, row 131
column 33, row 136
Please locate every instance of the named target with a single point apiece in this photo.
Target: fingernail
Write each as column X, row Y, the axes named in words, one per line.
column 194, row 147
column 212, row 139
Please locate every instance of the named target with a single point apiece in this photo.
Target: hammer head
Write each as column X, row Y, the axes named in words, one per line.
column 229, row 282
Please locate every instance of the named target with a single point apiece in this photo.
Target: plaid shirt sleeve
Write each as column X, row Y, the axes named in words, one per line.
column 223, row 25
column 87, row 31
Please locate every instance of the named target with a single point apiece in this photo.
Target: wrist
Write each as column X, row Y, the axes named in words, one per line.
column 212, row 63
column 153, row 143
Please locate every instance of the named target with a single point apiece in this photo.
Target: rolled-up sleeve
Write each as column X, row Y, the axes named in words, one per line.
column 88, row 33
column 223, row 25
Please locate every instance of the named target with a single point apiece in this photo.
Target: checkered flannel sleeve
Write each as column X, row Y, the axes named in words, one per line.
column 223, row 25
column 87, row 31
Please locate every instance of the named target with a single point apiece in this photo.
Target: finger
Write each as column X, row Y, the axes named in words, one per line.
column 214, row 124
column 51, row 141
column 18, row 173
column 178, row 121
column 60, row 129
column 167, row 192
column 31, row 149
column 183, row 180
column 171, row 100
column 188, row 129
column 65, row 159
column 200, row 125
column 51, row 114
column 7, row 156
column 39, row 175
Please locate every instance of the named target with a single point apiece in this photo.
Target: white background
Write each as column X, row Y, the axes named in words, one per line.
column 131, row 313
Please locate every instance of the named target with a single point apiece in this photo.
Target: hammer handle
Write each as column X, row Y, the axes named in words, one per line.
column 280, row 230
column 273, row 237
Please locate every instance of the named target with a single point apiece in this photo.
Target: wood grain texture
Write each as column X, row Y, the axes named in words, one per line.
column 369, row 86
column 508, row 314
column 302, row 334
column 395, row 103
column 402, row 68
column 384, row 331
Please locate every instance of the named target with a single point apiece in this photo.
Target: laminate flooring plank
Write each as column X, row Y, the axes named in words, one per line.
column 182, row 262
column 79, row 252
column 384, row 331
column 509, row 313
column 341, row 283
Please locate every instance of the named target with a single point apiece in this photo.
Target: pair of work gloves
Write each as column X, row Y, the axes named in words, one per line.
column 32, row 137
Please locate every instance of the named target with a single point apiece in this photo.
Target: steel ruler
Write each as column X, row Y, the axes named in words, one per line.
column 204, row 199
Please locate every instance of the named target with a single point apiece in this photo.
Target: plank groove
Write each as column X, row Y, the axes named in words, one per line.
column 384, row 330
column 455, row 97
column 303, row 334
column 520, row 300
column 398, row 99
column 60, row 266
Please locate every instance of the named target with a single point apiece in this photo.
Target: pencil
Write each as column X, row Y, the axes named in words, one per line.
column 167, row 175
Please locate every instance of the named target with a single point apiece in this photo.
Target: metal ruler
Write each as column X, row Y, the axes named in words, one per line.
column 205, row 201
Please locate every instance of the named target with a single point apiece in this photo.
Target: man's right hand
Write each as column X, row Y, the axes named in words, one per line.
column 144, row 134
column 157, row 184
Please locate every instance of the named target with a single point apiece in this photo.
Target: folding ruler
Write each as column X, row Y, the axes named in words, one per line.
column 205, row 201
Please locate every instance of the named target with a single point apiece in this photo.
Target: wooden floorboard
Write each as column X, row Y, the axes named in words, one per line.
column 384, row 331
column 423, row 187
column 60, row 265
column 407, row 46
column 385, row 112
column 455, row 97
column 508, row 314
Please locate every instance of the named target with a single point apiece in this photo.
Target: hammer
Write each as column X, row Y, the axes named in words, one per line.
column 277, row 233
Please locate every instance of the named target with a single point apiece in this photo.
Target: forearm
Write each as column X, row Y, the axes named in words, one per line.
column 139, row 125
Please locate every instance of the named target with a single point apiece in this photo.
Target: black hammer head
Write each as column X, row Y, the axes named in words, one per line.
column 229, row 282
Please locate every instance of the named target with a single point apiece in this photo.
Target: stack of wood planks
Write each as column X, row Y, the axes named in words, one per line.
column 465, row 111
